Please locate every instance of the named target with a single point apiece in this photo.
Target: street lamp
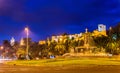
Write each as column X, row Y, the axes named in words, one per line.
column 27, row 46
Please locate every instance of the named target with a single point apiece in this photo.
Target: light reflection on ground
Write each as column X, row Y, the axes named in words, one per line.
column 4, row 60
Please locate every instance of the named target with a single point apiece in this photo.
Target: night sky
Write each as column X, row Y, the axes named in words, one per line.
column 50, row 17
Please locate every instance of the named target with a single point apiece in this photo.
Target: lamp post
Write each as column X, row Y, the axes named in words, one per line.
column 27, row 46
column 110, row 34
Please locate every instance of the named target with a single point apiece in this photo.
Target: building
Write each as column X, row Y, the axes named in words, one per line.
column 12, row 41
column 101, row 31
column 22, row 42
column 55, row 38
column 42, row 42
column 60, row 37
column 101, row 27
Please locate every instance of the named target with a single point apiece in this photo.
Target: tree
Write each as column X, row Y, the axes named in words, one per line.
column 7, row 49
column 73, row 43
column 52, row 47
column 114, row 40
column 101, row 42
column 113, row 48
column 60, row 49
column 21, row 53
column 34, row 50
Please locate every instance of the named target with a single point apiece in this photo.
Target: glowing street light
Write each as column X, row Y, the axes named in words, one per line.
column 27, row 46
column 1, row 47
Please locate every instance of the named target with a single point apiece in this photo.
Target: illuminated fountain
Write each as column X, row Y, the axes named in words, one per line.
column 88, row 46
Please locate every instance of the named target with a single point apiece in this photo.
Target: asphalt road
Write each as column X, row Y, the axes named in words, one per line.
column 60, row 69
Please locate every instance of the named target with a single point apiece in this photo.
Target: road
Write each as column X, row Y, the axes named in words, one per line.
column 61, row 69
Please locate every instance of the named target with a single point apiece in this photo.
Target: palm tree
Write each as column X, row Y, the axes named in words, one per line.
column 73, row 43
column 52, row 47
column 113, row 48
column 60, row 49
column 101, row 42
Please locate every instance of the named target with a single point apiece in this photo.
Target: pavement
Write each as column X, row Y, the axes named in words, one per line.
column 61, row 69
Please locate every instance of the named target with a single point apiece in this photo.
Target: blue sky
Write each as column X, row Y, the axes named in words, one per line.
column 49, row 17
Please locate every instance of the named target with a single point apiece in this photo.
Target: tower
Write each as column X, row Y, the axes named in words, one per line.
column 12, row 41
column 101, row 27
column 22, row 42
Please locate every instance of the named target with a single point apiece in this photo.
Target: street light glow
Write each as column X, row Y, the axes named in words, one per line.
column 26, row 28
column 1, row 47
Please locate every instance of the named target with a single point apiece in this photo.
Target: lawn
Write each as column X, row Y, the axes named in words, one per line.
column 67, row 61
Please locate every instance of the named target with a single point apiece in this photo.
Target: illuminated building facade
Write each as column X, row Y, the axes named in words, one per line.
column 101, row 27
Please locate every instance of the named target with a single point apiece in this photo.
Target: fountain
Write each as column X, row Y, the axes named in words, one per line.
column 88, row 46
